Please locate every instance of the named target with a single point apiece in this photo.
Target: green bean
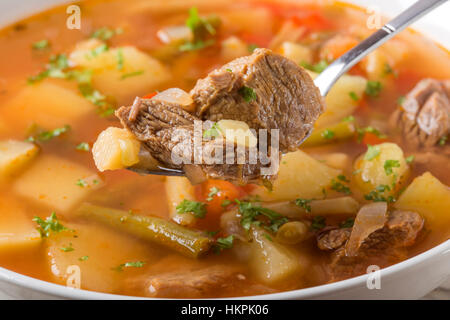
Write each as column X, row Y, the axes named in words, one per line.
column 340, row 131
column 168, row 234
column 292, row 232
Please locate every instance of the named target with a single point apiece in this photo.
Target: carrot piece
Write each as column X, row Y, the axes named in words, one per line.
column 150, row 95
column 372, row 139
column 313, row 20
column 215, row 192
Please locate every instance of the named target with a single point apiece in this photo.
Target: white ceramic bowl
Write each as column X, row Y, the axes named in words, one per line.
column 410, row 279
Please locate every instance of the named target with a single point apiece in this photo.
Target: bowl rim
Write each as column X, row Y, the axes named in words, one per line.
column 58, row 290
column 62, row 291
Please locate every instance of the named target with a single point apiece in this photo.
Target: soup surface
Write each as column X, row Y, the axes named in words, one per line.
column 59, row 88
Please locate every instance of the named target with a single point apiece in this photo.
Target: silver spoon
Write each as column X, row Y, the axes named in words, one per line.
column 327, row 78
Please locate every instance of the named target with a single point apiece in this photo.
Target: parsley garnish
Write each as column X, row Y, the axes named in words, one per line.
column 304, row 203
column 83, row 258
column 443, row 140
column 318, row 223
column 49, row 224
column 133, row 264
column 372, row 152
column 248, row 94
column 194, row 207
column 318, row 67
column 389, row 165
column 200, row 28
column 120, row 59
column 41, row 45
column 377, row 195
column 409, row 159
column 83, row 146
column 348, row 223
column 327, row 134
column 81, row 183
column 340, row 187
column 401, row 100
column 225, row 203
column 373, row 88
column 131, row 74
column 353, row 95
column 212, row 192
column 106, row 33
column 48, row 135
column 251, row 213
column 223, row 243
column 212, row 132
column 369, row 129
column 68, row 248
column 252, row 47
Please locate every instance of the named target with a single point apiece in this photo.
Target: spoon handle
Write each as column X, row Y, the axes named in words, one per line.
column 331, row 74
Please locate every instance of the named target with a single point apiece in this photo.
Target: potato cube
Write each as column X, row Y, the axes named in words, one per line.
column 429, row 197
column 272, row 262
column 47, row 104
column 17, row 230
column 123, row 73
column 233, row 48
column 300, row 176
column 296, row 52
column 115, row 148
column 56, row 182
column 371, row 173
column 15, row 155
column 98, row 252
column 339, row 101
column 237, row 132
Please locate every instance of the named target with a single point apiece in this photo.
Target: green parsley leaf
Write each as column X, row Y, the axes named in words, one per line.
column 225, row 203
column 348, row 223
column 378, row 194
column 212, row 192
column 340, row 187
column 132, row 264
column 50, row 224
column 69, row 248
column 401, row 100
column 373, row 88
column 83, row 258
column 248, row 94
column 389, row 165
column 81, row 183
column 353, row 95
column 194, row 207
column 131, row 74
column 106, row 33
column 443, row 140
column 318, row 223
column 252, row 47
column 304, row 203
column 252, row 215
column 120, row 59
column 48, row 135
column 198, row 45
column 223, row 243
column 327, row 134
column 362, row 131
column 372, row 152
column 212, row 132
column 83, row 146
column 410, row 159
column 41, row 45
column 318, row 67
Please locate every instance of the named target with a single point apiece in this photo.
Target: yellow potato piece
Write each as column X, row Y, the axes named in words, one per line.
column 15, row 155
column 55, row 182
column 47, row 104
column 300, row 176
column 371, row 173
column 123, row 73
column 115, row 148
column 430, row 198
column 272, row 262
column 296, row 52
column 97, row 253
column 339, row 103
column 17, row 230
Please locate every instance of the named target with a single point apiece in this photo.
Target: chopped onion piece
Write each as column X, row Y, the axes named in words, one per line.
column 175, row 34
column 178, row 96
column 369, row 219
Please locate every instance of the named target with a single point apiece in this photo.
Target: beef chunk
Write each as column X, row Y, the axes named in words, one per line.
column 382, row 247
column 194, row 284
column 167, row 132
column 424, row 117
column 285, row 96
column 333, row 239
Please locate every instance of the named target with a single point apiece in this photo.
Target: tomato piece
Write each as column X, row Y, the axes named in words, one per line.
column 313, row 20
column 150, row 95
